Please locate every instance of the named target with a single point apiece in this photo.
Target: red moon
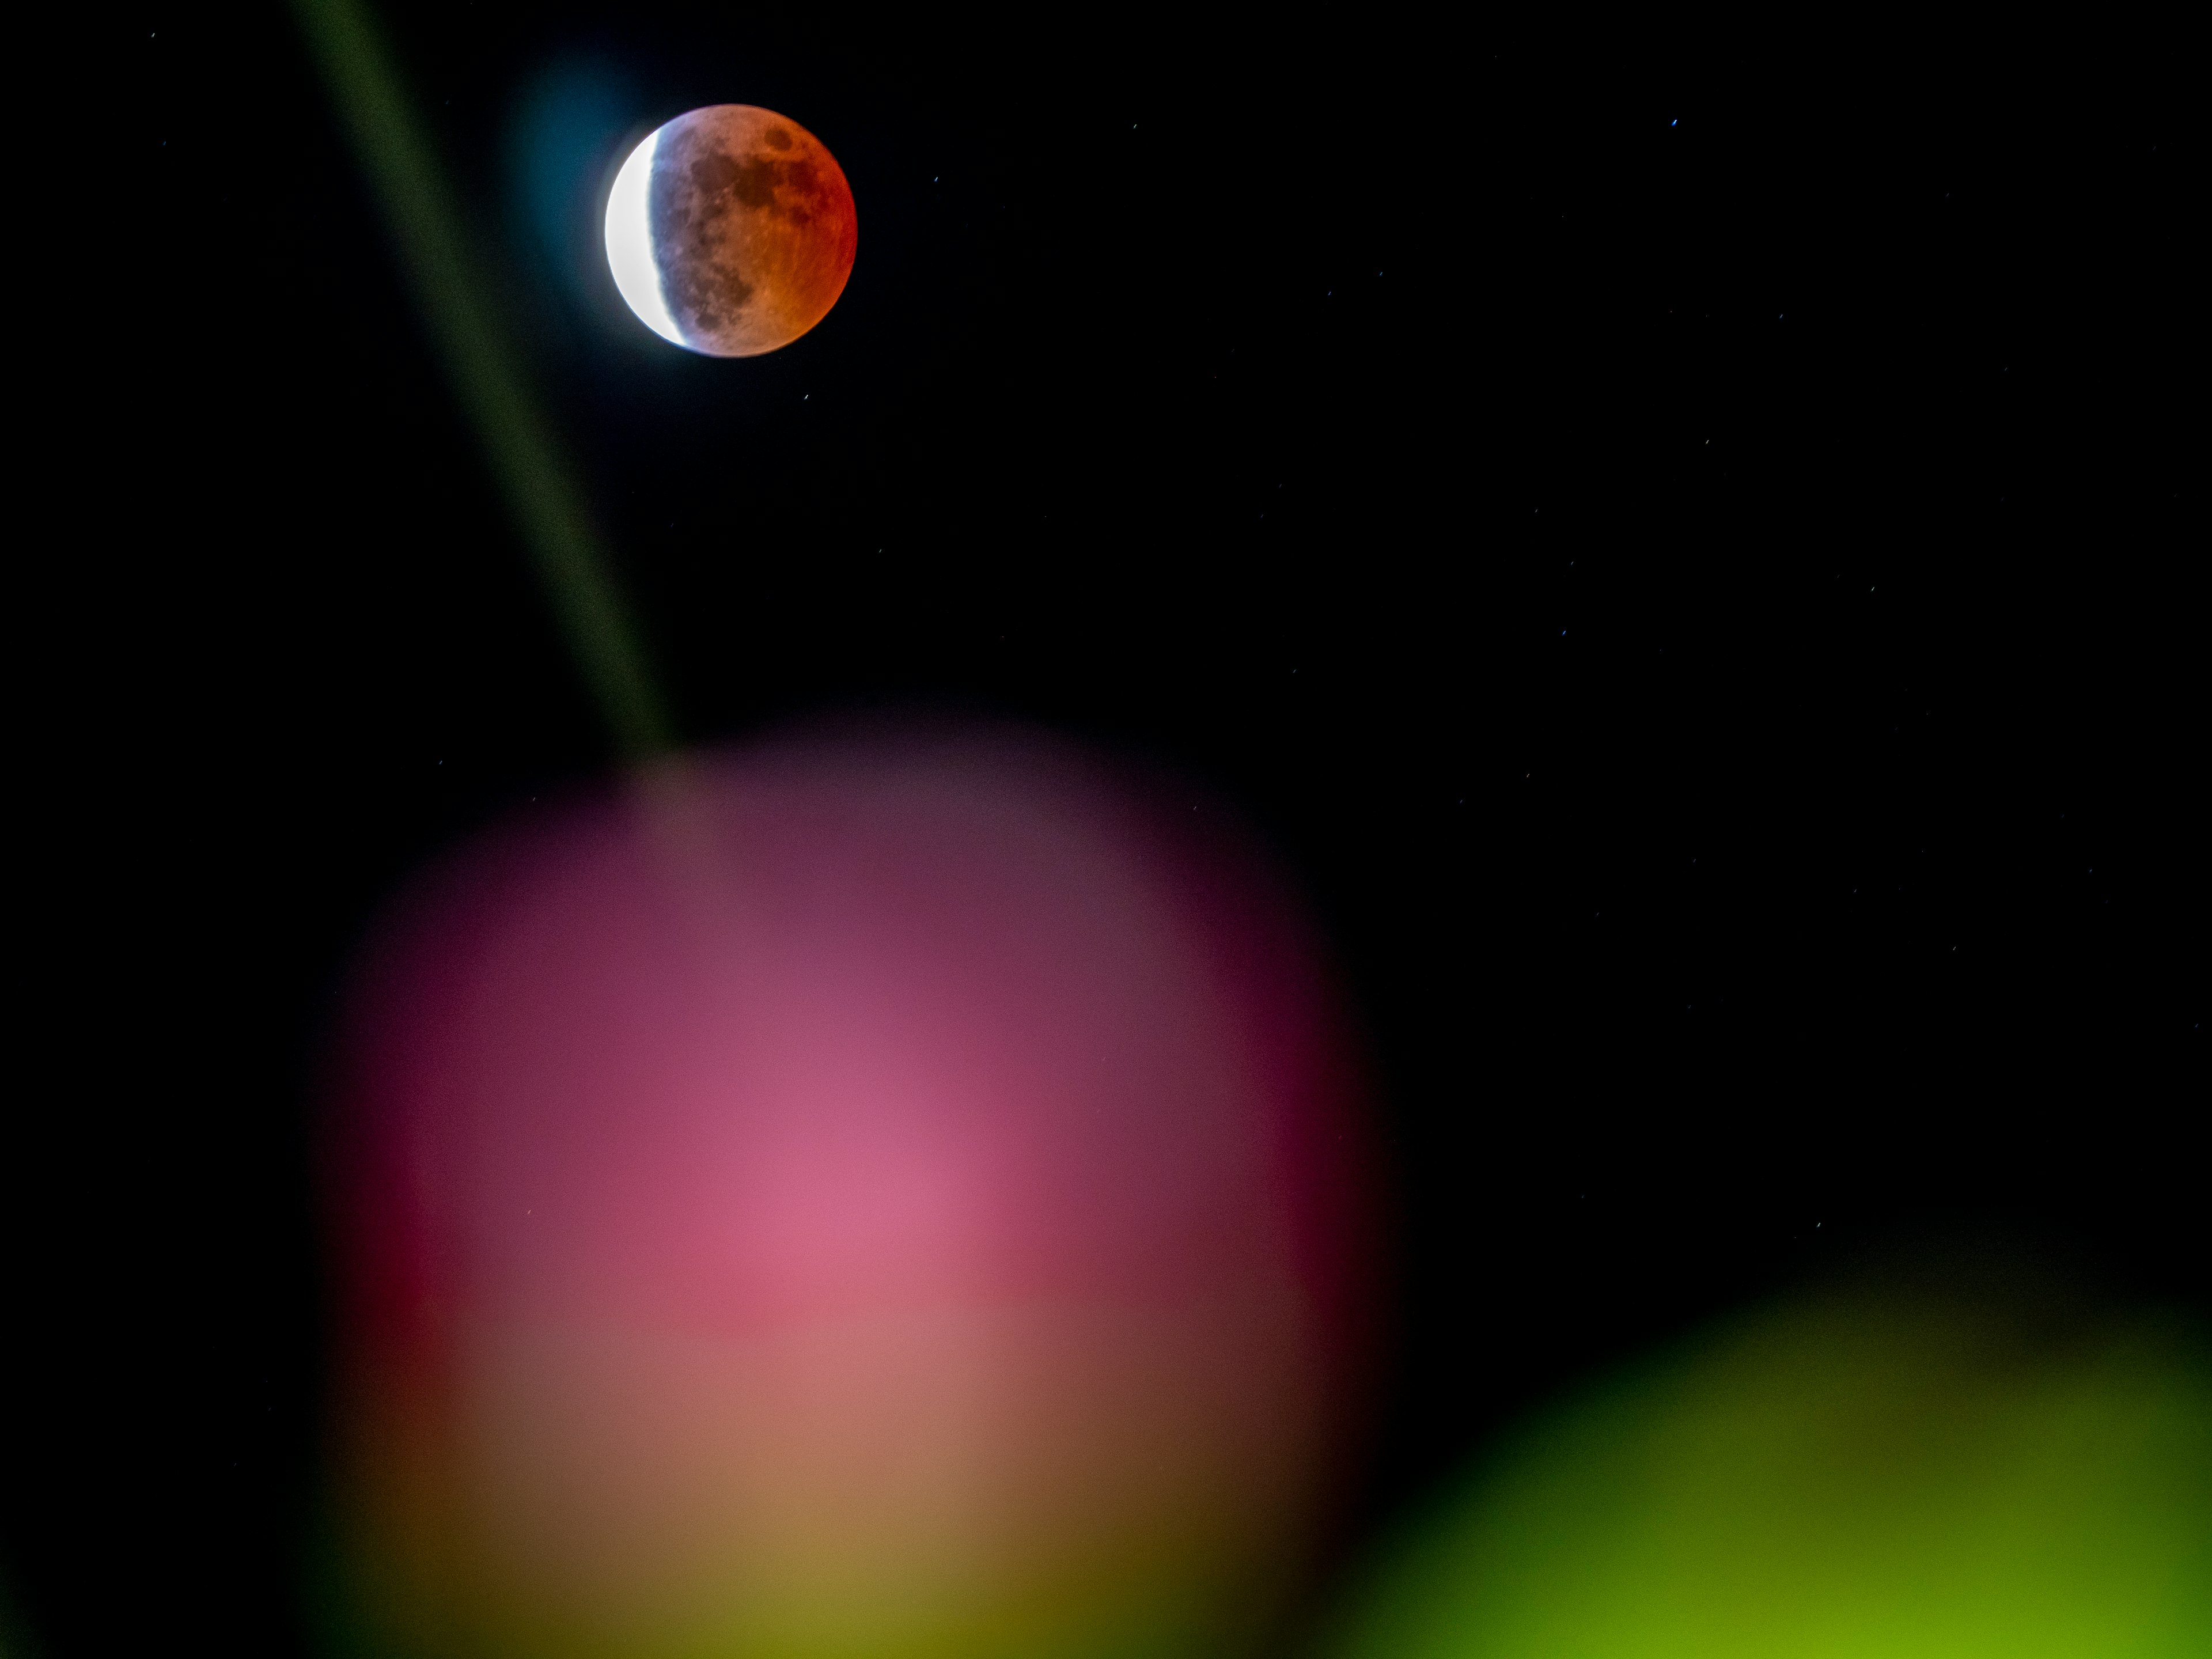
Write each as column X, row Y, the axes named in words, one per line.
column 752, row 229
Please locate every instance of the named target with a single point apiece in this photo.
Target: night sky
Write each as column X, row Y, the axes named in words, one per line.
column 1689, row 550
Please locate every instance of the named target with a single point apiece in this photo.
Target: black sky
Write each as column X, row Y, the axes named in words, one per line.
column 1690, row 547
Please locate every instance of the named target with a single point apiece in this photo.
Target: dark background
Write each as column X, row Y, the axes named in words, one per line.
column 1687, row 545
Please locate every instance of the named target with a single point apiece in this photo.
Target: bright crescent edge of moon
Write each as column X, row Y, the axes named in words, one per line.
column 629, row 242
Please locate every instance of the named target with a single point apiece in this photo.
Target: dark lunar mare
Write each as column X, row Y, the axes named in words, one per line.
column 695, row 185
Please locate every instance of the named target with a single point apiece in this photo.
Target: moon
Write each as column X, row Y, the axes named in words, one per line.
column 731, row 230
